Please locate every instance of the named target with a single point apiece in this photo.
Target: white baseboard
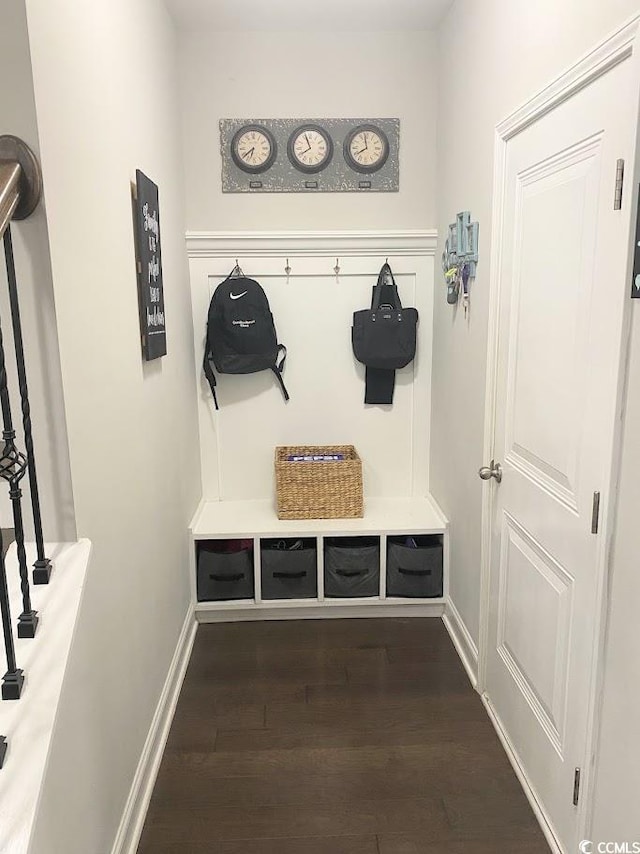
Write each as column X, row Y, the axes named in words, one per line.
column 462, row 640
column 325, row 611
column 135, row 810
column 521, row 774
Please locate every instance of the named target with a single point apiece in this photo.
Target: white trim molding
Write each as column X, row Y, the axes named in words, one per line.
column 135, row 810
column 618, row 47
column 609, row 53
column 323, row 611
column 462, row 640
column 232, row 244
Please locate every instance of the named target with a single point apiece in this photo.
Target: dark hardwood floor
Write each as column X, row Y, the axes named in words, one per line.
column 334, row 737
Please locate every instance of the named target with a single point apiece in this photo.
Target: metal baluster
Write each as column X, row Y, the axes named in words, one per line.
column 42, row 566
column 13, row 679
column 13, row 466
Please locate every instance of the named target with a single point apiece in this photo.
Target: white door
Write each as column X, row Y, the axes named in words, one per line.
column 562, row 290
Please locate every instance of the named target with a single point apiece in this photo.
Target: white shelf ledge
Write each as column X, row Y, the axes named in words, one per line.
column 28, row 723
column 248, row 519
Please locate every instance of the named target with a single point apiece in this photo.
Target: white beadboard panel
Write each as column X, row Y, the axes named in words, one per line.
column 313, row 311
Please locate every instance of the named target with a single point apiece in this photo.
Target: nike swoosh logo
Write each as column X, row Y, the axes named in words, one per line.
column 237, row 296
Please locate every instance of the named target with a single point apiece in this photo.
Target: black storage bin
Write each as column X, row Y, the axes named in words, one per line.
column 352, row 567
column 289, row 569
column 224, row 573
column 414, row 572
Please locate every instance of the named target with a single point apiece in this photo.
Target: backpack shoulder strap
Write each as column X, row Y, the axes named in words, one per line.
column 278, row 368
column 207, row 367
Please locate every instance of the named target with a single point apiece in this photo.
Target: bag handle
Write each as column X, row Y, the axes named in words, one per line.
column 299, row 574
column 383, row 281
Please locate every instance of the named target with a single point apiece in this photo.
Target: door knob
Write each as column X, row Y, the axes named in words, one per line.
column 493, row 470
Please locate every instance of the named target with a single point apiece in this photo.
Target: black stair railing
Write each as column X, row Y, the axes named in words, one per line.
column 13, row 465
column 20, row 191
column 42, row 566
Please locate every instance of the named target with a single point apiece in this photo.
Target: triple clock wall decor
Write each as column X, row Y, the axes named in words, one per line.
column 309, row 155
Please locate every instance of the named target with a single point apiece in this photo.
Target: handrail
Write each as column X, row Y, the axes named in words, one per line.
column 10, row 173
column 20, row 180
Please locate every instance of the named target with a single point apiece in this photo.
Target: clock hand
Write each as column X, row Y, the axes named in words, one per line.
column 366, row 145
column 249, row 153
column 308, row 143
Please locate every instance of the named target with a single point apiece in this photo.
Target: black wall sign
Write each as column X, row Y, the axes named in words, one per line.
column 635, row 285
column 154, row 336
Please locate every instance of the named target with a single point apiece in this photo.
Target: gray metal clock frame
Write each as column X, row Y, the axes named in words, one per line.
column 359, row 167
column 302, row 167
column 338, row 176
column 245, row 167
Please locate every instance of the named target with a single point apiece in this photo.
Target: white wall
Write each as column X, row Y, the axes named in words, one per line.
column 507, row 51
column 615, row 815
column 33, row 270
column 273, row 75
column 106, row 95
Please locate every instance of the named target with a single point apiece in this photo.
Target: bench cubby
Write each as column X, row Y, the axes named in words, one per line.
column 225, row 570
column 298, row 568
column 415, row 566
column 289, row 568
column 351, row 567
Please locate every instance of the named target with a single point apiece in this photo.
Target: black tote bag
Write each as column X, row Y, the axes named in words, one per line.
column 384, row 336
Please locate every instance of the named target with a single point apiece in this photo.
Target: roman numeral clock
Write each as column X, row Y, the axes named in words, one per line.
column 310, row 155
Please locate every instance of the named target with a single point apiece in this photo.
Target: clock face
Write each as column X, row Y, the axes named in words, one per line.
column 310, row 148
column 366, row 148
column 253, row 148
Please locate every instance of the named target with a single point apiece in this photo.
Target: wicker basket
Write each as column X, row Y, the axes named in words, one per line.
column 319, row 490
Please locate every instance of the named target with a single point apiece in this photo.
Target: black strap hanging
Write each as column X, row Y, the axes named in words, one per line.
column 379, row 385
column 211, row 377
column 279, row 367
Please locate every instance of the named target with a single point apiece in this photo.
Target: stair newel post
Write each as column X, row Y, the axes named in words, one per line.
column 13, row 466
column 42, row 567
column 13, row 679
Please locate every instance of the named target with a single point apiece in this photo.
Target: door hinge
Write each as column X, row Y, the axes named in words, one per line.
column 617, row 196
column 576, row 787
column 595, row 513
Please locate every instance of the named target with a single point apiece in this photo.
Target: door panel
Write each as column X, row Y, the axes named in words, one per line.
column 552, row 283
column 535, row 602
column 563, row 252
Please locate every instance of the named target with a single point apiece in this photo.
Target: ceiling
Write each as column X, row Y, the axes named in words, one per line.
column 302, row 15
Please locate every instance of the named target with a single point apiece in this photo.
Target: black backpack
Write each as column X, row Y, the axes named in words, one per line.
column 241, row 336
